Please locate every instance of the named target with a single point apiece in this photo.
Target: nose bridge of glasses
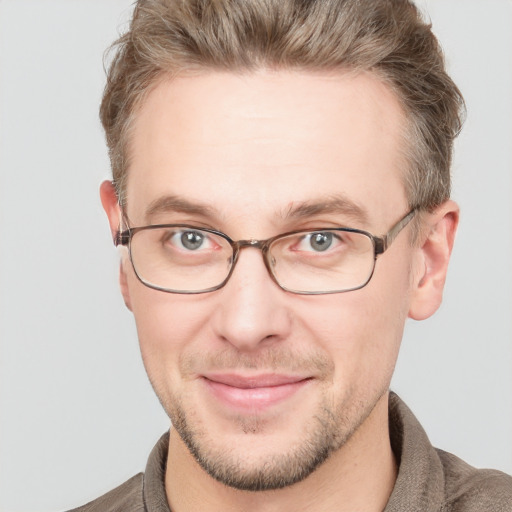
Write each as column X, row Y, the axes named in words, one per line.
column 257, row 244
column 262, row 245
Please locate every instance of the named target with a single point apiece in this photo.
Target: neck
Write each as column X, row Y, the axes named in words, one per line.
column 358, row 477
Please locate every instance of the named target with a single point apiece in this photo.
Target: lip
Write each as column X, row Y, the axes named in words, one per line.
column 253, row 393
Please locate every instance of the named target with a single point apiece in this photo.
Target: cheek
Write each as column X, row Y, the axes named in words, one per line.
column 167, row 325
column 361, row 330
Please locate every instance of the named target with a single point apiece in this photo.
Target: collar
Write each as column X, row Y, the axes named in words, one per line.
column 419, row 485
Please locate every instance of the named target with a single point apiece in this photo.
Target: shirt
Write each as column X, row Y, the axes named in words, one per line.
column 429, row 479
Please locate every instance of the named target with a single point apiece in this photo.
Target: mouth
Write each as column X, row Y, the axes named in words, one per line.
column 253, row 393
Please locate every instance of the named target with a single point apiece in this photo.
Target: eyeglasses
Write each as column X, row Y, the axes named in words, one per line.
column 180, row 258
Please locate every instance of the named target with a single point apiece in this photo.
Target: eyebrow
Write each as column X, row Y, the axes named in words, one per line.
column 177, row 204
column 336, row 204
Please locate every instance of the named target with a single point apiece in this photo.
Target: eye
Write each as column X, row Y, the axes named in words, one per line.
column 319, row 241
column 190, row 240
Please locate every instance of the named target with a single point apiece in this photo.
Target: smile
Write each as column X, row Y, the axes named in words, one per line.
column 255, row 393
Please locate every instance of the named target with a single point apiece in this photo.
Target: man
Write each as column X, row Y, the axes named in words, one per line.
column 281, row 198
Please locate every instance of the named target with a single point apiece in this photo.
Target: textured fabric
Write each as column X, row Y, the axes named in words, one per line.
column 127, row 497
column 429, row 480
column 144, row 492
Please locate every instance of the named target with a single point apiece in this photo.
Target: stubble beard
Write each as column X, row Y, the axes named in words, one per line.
column 329, row 430
column 326, row 431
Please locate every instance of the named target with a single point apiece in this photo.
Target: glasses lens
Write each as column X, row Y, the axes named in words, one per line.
column 180, row 258
column 322, row 261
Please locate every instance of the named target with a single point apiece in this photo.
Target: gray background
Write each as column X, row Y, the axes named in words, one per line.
column 77, row 413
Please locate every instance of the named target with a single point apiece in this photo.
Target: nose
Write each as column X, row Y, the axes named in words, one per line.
column 252, row 310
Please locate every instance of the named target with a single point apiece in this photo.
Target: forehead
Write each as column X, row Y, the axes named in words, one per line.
column 251, row 145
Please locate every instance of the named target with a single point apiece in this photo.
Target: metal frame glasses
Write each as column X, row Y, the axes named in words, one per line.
column 305, row 274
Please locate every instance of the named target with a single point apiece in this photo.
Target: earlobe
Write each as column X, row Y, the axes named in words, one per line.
column 123, row 283
column 111, row 206
column 434, row 255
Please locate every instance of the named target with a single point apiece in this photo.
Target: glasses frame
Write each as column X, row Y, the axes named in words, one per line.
column 380, row 245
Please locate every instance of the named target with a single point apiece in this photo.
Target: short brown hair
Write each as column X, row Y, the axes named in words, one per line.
column 386, row 37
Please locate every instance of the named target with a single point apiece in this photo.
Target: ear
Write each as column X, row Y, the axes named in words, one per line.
column 437, row 237
column 111, row 206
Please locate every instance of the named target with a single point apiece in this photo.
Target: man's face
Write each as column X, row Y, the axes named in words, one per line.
column 262, row 385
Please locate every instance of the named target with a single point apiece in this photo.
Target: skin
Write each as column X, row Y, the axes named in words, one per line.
column 251, row 148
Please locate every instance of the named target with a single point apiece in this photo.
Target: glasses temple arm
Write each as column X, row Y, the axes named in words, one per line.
column 382, row 243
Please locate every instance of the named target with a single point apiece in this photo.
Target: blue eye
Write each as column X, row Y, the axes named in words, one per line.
column 320, row 241
column 191, row 240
